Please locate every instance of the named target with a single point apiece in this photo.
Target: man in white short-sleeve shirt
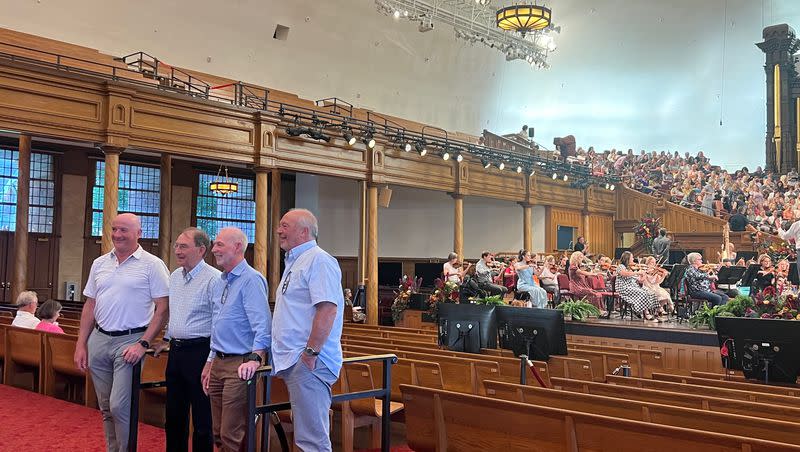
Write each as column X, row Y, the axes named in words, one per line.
column 126, row 307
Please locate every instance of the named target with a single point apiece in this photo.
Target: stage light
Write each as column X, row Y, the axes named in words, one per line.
column 420, row 147
column 612, row 187
column 318, row 135
column 348, row 137
column 501, row 166
column 555, row 176
column 607, row 186
column 519, row 169
column 485, row 164
column 532, row 172
column 423, row 152
column 296, row 131
column 407, row 147
column 396, row 14
column 565, row 178
column 459, row 158
column 446, row 156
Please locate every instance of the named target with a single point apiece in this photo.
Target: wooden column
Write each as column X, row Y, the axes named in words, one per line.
column 110, row 194
column 260, row 247
column 362, row 233
column 458, row 225
column 19, row 281
column 372, row 255
column 527, row 236
column 275, row 218
column 165, row 212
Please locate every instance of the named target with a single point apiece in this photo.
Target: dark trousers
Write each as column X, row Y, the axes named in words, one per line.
column 184, row 390
column 492, row 289
column 713, row 298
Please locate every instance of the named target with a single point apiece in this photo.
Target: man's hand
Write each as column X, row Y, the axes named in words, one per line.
column 248, row 369
column 160, row 347
column 81, row 357
column 205, row 376
column 309, row 361
column 133, row 353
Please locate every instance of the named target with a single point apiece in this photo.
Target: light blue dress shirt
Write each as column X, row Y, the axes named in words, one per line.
column 190, row 301
column 312, row 276
column 241, row 319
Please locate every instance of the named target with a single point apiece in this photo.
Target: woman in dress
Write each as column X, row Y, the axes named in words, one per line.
column 525, row 282
column 579, row 284
column 452, row 271
column 641, row 300
column 652, row 281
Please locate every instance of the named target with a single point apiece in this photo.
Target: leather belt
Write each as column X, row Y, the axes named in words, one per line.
column 178, row 343
column 141, row 329
column 230, row 355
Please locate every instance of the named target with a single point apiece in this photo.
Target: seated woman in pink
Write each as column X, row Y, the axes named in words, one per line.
column 49, row 313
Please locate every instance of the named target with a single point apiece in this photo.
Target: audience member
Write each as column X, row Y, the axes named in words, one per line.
column 27, row 302
column 49, row 313
column 307, row 330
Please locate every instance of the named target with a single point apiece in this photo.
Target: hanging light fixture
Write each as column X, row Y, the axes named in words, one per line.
column 523, row 18
column 223, row 186
column 501, row 166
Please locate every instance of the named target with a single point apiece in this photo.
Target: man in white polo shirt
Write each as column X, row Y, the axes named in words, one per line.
column 126, row 307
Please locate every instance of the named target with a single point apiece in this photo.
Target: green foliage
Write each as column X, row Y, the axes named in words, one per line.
column 735, row 307
column 738, row 306
column 494, row 300
column 578, row 310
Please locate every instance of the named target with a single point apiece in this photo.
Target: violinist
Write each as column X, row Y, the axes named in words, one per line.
column 509, row 275
column 548, row 276
column 765, row 276
column 579, row 283
column 654, row 276
column 698, row 281
column 525, row 283
column 452, row 270
column 782, row 282
column 607, row 270
column 486, row 271
column 642, row 300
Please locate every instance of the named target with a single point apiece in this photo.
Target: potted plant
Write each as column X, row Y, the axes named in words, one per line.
column 407, row 287
column 578, row 310
column 494, row 300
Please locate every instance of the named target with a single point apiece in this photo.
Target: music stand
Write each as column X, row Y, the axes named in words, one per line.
column 750, row 274
column 729, row 276
column 673, row 280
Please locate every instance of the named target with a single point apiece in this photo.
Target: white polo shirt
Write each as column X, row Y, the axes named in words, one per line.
column 124, row 292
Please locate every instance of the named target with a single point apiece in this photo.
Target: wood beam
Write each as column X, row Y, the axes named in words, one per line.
column 165, row 211
column 261, row 245
column 372, row 255
column 19, row 282
column 275, row 217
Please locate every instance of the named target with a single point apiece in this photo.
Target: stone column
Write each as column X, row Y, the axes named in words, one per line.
column 458, row 225
column 165, row 211
column 527, row 233
column 372, row 255
column 274, row 265
column 19, row 281
column 260, row 247
column 110, row 194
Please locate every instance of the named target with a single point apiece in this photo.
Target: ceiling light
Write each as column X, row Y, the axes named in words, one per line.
column 612, row 187
column 348, row 137
column 459, row 158
column 565, row 178
column 369, row 140
column 532, row 172
column 407, row 147
column 519, row 169
column 446, row 156
column 420, row 147
column 555, row 176
column 423, row 152
column 486, row 164
column 396, row 14
column 223, row 186
column 501, row 166
column 523, row 18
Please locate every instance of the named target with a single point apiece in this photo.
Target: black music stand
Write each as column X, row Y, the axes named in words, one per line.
column 750, row 275
column 729, row 276
column 673, row 280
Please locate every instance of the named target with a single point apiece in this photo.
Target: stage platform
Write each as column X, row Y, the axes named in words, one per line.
column 637, row 330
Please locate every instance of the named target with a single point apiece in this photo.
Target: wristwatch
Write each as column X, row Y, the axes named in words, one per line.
column 254, row 357
column 144, row 344
column 311, row 352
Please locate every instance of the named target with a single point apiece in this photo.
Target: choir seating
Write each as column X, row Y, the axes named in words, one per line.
column 438, row 420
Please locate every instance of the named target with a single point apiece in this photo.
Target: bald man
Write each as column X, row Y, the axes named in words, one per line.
column 240, row 334
column 126, row 307
column 306, row 333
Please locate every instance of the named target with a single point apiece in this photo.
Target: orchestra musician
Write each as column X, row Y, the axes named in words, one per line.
column 698, row 281
column 486, row 270
column 548, row 276
column 509, row 275
column 765, row 276
column 579, row 283
column 608, row 272
column 628, row 278
column 525, row 283
column 453, row 272
column 653, row 277
column 782, row 282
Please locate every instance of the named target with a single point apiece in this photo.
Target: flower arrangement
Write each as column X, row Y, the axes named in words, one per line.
column 444, row 292
column 766, row 305
column 405, row 289
column 647, row 229
column 773, row 246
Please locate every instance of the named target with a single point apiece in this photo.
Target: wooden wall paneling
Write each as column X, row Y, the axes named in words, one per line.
column 493, row 183
column 6, row 265
column 563, row 217
column 601, row 234
column 309, row 156
column 409, row 169
column 547, row 191
column 349, row 267
column 43, row 265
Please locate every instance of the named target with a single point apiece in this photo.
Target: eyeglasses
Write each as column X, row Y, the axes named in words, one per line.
column 286, row 282
column 225, row 293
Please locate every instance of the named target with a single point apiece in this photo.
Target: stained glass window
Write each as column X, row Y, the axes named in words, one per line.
column 41, row 212
column 139, row 193
column 215, row 211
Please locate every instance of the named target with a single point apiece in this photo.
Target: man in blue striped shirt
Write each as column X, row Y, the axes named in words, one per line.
column 240, row 336
column 191, row 288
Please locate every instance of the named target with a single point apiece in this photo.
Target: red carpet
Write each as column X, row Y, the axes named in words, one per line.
column 33, row 422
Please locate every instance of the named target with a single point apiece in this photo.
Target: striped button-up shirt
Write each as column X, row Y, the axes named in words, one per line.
column 190, row 301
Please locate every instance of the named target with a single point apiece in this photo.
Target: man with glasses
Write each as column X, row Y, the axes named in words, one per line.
column 306, row 341
column 240, row 335
column 191, row 288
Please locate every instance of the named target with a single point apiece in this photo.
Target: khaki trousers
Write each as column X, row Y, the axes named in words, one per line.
column 228, row 394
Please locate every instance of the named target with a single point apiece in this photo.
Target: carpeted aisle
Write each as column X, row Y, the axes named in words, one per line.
column 33, row 422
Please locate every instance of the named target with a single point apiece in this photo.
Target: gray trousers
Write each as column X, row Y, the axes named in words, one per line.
column 310, row 397
column 111, row 376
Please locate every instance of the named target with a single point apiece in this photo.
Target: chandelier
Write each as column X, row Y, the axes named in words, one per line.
column 523, row 18
column 521, row 32
column 223, row 186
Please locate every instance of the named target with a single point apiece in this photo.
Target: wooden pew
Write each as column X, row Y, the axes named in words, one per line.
column 603, row 363
column 367, row 327
column 438, row 420
column 406, row 371
column 573, row 368
column 724, row 393
column 59, row 350
column 740, row 385
column 710, row 421
column 643, row 362
column 387, row 340
column 152, row 402
column 24, row 355
column 425, row 338
column 698, row 401
column 361, row 412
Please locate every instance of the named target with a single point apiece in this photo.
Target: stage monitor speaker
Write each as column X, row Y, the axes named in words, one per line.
column 384, row 196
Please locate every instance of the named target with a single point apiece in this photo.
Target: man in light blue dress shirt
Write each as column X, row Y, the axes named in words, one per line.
column 240, row 336
column 306, row 332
